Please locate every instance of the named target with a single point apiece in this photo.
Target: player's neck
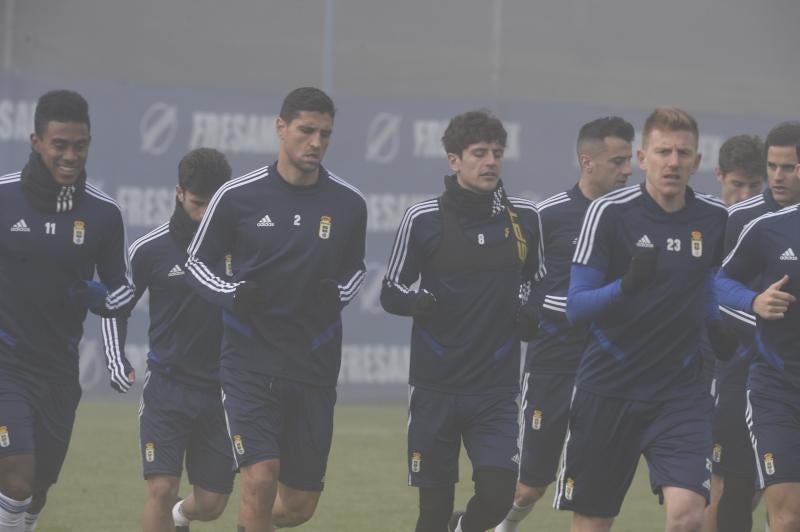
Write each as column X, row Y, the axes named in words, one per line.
column 294, row 176
column 589, row 191
column 669, row 203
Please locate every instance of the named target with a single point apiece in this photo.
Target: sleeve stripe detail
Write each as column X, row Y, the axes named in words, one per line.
column 10, row 178
column 113, row 350
column 739, row 315
column 119, row 297
column 589, row 229
column 212, row 205
column 557, row 309
column 352, row 287
column 208, row 279
column 400, row 249
column 786, row 210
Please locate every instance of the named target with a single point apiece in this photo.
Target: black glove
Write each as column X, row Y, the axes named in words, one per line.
column 328, row 296
column 722, row 338
column 641, row 272
column 120, row 381
column 246, row 298
column 424, row 305
column 527, row 324
column 91, row 295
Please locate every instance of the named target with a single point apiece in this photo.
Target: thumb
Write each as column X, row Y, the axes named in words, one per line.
column 780, row 283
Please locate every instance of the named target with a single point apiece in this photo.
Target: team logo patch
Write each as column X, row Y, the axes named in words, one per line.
column 697, row 244
column 769, row 463
column 78, row 232
column 325, row 227
column 416, row 462
column 569, row 486
column 716, row 455
column 5, row 440
column 229, row 265
column 536, row 421
column 149, row 451
column 237, row 444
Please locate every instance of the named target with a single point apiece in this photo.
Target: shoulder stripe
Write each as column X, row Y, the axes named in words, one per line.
column 99, row 194
column 752, row 223
column 336, row 179
column 161, row 230
column 747, row 204
column 557, row 198
column 592, row 218
column 523, row 203
column 10, row 178
column 546, row 205
column 711, row 200
column 400, row 248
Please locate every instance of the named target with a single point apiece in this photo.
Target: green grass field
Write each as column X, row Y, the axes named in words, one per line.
column 101, row 489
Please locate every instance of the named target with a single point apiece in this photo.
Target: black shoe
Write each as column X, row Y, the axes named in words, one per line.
column 181, row 529
column 454, row 519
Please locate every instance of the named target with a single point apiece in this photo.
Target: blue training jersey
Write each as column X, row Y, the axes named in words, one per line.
column 559, row 346
column 647, row 346
column 42, row 257
column 766, row 250
column 286, row 239
column 470, row 344
column 185, row 330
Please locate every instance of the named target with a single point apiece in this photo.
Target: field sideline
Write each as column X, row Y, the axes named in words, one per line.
column 101, row 489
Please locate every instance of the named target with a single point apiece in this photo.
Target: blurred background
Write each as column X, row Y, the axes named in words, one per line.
column 163, row 77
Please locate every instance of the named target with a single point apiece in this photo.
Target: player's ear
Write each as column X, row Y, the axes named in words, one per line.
column 454, row 161
column 280, row 127
column 718, row 174
column 584, row 161
column 640, row 157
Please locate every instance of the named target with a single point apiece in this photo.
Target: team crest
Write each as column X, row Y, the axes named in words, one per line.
column 416, row 462
column 237, row 444
column 78, row 232
column 325, row 227
column 229, row 265
column 5, row 440
column 149, row 451
column 536, row 421
column 697, row 244
column 769, row 463
column 569, row 486
column 717, row 453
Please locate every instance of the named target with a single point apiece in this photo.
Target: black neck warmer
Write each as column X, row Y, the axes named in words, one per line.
column 181, row 227
column 41, row 189
column 473, row 205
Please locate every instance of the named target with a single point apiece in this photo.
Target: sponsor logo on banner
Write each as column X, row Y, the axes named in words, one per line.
column 383, row 138
column 158, row 127
column 145, row 206
column 428, row 139
column 16, row 120
column 235, row 133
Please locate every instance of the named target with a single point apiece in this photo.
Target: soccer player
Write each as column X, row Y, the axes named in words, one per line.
column 641, row 279
column 296, row 234
column 55, row 231
column 471, row 250
column 604, row 155
column 764, row 255
column 181, row 410
column 734, row 466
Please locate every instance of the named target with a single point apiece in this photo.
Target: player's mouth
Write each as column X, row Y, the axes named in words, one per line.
column 778, row 189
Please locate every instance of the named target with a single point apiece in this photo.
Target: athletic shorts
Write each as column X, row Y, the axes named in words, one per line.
column 177, row 421
column 36, row 417
column 545, row 415
column 775, row 429
column 732, row 452
column 438, row 421
column 607, row 436
column 270, row 418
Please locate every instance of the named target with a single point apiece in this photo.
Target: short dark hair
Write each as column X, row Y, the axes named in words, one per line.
column 203, row 171
column 784, row 134
column 470, row 128
column 306, row 99
column 608, row 126
column 60, row 106
column 669, row 119
column 744, row 153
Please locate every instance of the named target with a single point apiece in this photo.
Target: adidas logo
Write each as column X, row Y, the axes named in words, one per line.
column 788, row 255
column 644, row 242
column 20, row 227
column 265, row 222
column 176, row 270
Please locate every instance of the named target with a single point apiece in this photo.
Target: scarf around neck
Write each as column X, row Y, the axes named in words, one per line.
column 181, row 227
column 41, row 189
column 471, row 204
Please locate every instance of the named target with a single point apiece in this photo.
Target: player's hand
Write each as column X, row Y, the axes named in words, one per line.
column 246, row 299
column 722, row 339
column 122, row 380
column 424, row 305
column 328, row 295
column 772, row 303
column 527, row 323
column 91, row 295
column 641, row 271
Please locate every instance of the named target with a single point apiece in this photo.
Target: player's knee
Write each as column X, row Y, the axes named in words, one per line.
column 527, row 495
column 259, row 481
column 685, row 518
column 300, row 510
column 17, row 487
column 163, row 488
column 211, row 507
column 495, row 487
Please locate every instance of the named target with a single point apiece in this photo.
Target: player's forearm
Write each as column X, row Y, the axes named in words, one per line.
column 587, row 296
column 733, row 293
column 397, row 299
column 210, row 286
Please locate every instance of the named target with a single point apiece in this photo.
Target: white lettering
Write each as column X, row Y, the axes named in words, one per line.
column 234, row 133
column 386, row 210
column 145, row 206
column 428, row 139
column 16, row 120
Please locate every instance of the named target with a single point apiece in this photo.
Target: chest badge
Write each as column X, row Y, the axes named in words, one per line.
column 697, row 244
column 325, row 227
column 229, row 265
column 78, row 232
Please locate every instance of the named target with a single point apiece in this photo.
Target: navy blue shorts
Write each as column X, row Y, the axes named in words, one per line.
column 732, row 453
column 607, row 436
column 775, row 427
column 177, row 421
column 438, row 421
column 271, row 418
column 36, row 417
column 546, row 415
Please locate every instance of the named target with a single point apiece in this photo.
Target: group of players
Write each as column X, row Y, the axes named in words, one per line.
column 622, row 293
